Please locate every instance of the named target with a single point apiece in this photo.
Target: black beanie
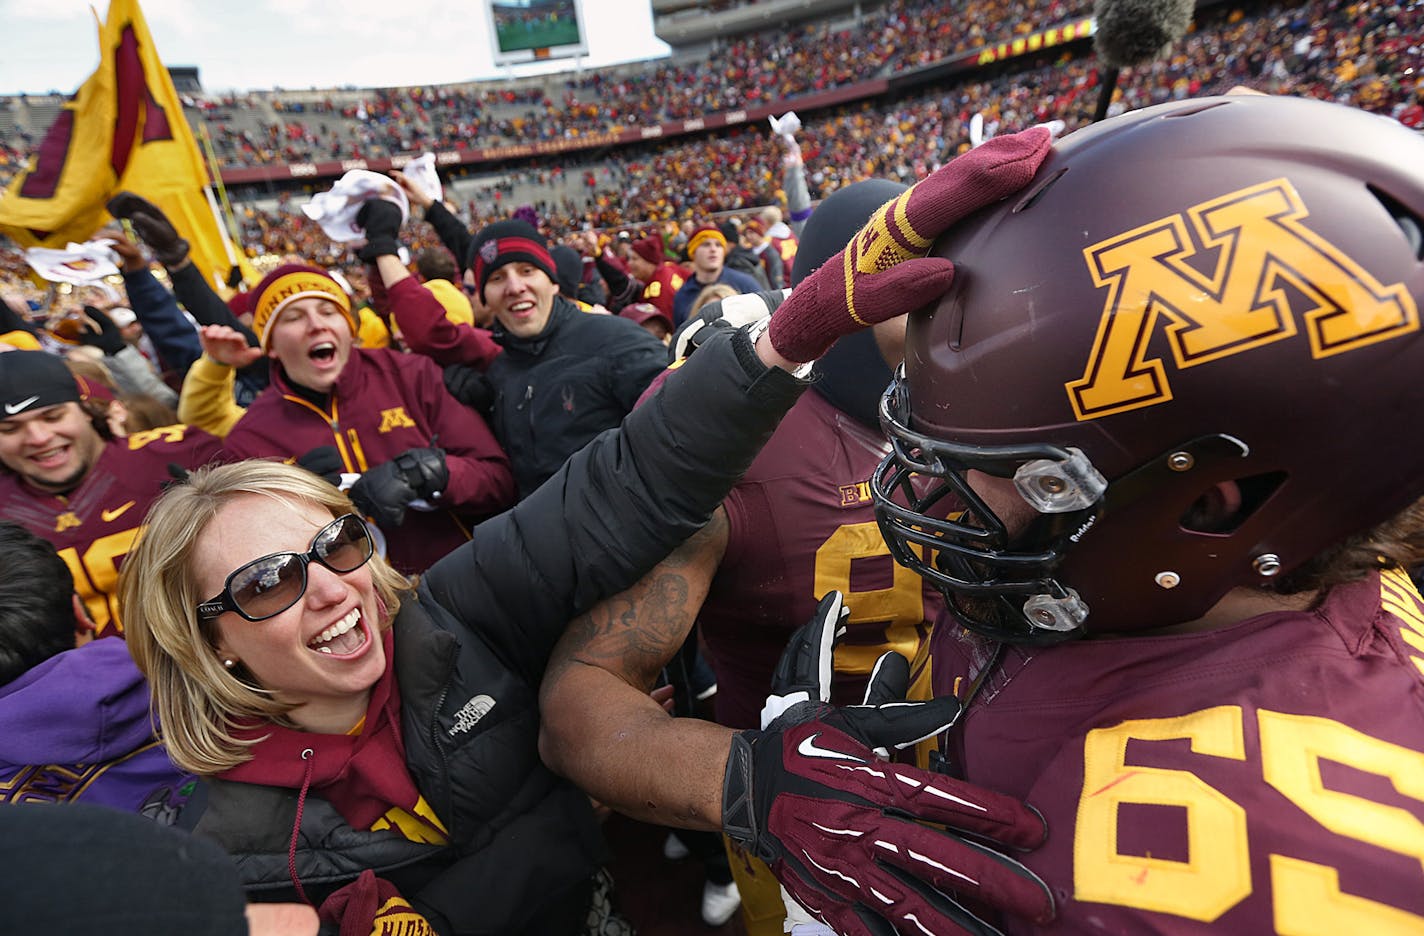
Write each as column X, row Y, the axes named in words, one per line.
column 570, row 267
column 31, row 380
column 508, row 242
column 853, row 374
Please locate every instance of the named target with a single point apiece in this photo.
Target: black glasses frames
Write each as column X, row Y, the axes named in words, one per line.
column 267, row 586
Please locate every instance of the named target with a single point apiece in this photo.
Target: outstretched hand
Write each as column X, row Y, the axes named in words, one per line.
column 131, row 258
column 99, row 331
column 886, row 271
column 413, row 192
column 227, row 345
column 152, row 226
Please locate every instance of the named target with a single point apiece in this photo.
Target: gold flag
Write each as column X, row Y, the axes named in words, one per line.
column 123, row 130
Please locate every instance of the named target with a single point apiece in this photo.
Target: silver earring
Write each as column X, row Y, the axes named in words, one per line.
column 229, row 663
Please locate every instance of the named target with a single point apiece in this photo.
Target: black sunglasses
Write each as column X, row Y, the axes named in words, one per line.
column 266, row 587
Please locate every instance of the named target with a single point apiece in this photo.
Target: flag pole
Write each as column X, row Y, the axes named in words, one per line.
column 224, row 216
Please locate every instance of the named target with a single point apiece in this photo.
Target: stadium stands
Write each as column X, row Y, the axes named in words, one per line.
column 896, row 91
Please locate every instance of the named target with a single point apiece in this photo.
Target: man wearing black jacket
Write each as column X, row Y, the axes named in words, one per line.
column 564, row 376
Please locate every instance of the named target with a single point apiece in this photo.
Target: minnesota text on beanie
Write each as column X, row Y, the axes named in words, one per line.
column 650, row 249
column 288, row 283
column 704, row 233
column 32, row 380
column 508, row 242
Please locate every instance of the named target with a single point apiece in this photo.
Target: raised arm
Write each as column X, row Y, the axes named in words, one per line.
column 415, row 309
column 450, row 229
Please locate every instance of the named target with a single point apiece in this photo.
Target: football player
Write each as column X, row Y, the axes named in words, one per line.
column 800, row 524
column 1175, row 385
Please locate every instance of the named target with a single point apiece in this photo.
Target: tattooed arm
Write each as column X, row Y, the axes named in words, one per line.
column 600, row 729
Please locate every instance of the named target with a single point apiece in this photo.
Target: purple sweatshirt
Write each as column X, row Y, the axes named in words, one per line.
column 77, row 729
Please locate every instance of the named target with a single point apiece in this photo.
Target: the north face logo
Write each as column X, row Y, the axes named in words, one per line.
column 470, row 713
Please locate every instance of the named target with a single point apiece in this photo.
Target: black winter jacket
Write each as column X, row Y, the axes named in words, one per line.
column 470, row 649
column 556, row 391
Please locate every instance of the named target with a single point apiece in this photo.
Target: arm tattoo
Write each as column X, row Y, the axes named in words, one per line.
column 635, row 633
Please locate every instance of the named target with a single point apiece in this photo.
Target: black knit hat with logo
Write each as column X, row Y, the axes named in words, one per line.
column 31, row 380
column 508, row 242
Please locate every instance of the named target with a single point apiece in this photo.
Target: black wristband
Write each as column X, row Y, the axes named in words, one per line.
column 738, row 811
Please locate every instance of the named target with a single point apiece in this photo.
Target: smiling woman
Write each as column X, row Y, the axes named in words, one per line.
column 346, row 723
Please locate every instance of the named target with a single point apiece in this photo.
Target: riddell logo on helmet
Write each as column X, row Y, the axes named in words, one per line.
column 1262, row 245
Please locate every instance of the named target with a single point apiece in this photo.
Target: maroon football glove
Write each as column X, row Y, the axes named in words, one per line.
column 838, row 825
column 885, row 271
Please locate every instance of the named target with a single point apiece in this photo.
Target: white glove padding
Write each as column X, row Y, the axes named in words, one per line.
column 735, row 311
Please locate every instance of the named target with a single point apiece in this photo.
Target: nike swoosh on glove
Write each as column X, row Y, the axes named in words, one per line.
column 844, row 831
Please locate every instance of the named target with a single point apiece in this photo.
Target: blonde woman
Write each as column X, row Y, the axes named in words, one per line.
column 348, row 723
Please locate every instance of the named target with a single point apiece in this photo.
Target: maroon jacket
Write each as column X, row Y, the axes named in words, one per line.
column 384, row 403
column 425, row 329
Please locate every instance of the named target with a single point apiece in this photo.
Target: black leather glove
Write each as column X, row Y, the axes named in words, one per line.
column 471, row 387
column 107, row 338
column 381, row 220
column 152, row 226
column 324, row 461
column 12, row 320
column 384, row 492
column 845, row 832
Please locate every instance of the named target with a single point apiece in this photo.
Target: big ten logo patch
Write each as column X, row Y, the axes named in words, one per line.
column 853, row 495
column 1264, row 254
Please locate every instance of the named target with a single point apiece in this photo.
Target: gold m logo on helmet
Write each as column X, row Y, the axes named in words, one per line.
column 1261, row 248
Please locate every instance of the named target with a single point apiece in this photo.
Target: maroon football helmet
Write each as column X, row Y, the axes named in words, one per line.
column 1191, row 345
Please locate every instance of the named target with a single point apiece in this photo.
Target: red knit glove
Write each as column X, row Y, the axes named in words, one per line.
column 885, row 270
column 371, row 906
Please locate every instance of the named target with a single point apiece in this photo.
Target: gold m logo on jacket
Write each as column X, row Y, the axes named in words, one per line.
column 395, row 418
column 1264, row 256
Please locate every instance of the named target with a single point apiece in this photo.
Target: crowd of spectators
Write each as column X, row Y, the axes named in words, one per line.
column 1367, row 54
column 287, row 343
column 1356, row 45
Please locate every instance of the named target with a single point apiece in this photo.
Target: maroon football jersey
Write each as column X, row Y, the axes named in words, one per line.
column 802, row 525
column 1267, row 777
column 95, row 525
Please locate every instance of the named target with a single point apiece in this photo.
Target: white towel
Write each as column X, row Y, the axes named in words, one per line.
column 335, row 209
column 83, row 264
column 786, row 125
column 421, row 171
